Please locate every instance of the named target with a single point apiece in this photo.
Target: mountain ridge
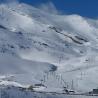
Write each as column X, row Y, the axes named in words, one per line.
column 34, row 42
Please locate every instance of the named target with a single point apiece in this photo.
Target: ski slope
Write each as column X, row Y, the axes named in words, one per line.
column 34, row 43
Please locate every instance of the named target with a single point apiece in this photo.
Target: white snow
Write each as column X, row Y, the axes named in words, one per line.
column 35, row 45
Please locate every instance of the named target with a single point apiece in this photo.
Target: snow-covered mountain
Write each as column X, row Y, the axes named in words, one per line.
column 36, row 46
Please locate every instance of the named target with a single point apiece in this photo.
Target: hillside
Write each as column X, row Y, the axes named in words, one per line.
column 36, row 47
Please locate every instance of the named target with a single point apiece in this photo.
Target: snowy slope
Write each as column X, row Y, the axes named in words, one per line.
column 17, row 92
column 35, row 44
